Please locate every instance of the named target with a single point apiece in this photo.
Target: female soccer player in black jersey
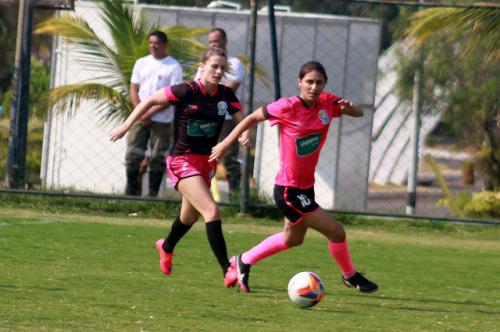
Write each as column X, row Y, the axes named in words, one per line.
column 200, row 108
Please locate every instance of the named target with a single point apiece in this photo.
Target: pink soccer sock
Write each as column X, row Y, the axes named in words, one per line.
column 340, row 252
column 270, row 246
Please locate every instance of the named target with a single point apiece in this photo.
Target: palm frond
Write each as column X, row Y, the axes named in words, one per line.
column 67, row 25
column 260, row 71
column 474, row 25
column 113, row 63
column 188, row 50
column 180, row 31
column 128, row 29
column 112, row 104
column 129, row 32
column 78, row 31
column 184, row 43
column 83, row 41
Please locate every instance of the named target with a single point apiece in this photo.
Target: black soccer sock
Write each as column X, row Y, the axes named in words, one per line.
column 177, row 231
column 217, row 243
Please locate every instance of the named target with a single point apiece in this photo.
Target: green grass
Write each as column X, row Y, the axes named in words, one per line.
column 90, row 272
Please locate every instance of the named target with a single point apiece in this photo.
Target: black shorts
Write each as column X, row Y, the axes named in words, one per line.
column 295, row 203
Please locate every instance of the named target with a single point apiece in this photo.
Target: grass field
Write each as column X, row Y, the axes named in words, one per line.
column 90, row 272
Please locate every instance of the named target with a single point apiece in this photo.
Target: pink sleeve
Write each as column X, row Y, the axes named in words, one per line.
column 330, row 99
column 277, row 111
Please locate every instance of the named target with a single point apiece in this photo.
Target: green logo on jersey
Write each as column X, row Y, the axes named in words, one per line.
column 308, row 144
column 202, row 128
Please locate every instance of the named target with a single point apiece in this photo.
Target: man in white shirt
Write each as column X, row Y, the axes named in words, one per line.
column 150, row 74
column 233, row 79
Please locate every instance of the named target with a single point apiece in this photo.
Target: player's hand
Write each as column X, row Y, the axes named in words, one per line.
column 244, row 139
column 345, row 105
column 118, row 133
column 217, row 152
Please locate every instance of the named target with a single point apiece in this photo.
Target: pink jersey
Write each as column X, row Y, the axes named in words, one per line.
column 303, row 133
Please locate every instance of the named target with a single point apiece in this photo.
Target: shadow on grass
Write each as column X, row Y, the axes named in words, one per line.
column 36, row 287
column 474, row 304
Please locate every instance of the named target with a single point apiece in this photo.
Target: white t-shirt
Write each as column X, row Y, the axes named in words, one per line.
column 236, row 73
column 153, row 74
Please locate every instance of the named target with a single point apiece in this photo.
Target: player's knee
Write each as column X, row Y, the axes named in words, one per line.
column 338, row 233
column 189, row 220
column 211, row 212
column 293, row 242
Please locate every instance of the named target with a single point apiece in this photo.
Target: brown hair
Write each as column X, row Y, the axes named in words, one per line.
column 212, row 51
column 312, row 66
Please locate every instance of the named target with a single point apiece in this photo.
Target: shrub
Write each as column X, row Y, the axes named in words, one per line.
column 485, row 204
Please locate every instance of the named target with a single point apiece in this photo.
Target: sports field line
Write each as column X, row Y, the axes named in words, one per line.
column 421, row 237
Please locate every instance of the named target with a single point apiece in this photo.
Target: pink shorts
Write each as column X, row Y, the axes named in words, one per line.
column 185, row 166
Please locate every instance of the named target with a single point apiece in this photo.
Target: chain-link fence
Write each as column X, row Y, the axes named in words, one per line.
column 365, row 164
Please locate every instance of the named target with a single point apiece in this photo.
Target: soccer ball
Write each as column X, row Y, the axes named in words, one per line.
column 306, row 289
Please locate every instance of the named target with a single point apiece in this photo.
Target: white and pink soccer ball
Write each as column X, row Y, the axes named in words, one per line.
column 306, row 289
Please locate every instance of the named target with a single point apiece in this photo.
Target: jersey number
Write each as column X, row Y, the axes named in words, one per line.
column 304, row 200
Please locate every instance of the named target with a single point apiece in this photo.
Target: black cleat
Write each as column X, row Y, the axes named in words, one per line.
column 361, row 283
column 243, row 274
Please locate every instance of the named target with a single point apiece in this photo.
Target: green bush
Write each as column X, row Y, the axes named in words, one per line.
column 33, row 151
column 4, row 143
column 485, row 204
column 460, row 200
column 39, row 85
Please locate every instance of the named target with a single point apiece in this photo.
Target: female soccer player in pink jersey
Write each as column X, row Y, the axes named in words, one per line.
column 200, row 110
column 303, row 126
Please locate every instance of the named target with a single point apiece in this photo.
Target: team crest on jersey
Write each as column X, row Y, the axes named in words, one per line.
column 323, row 116
column 222, row 107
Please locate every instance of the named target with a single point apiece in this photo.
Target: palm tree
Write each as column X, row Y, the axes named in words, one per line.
column 471, row 84
column 129, row 33
column 471, row 26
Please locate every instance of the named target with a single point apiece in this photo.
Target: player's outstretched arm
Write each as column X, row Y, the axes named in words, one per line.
column 158, row 98
column 243, row 126
column 244, row 138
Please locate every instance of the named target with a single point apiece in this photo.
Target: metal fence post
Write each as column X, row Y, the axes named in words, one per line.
column 246, row 151
column 411, row 190
column 414, row 142
column 16, row 160
column 274, row 50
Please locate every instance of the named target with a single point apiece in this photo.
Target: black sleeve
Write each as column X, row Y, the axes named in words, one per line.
column 179, row 92
column 233, row 102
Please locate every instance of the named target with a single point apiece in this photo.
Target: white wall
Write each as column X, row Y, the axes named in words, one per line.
column 77, row 152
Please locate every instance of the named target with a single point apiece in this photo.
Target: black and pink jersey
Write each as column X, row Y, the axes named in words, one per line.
column 199, row 116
